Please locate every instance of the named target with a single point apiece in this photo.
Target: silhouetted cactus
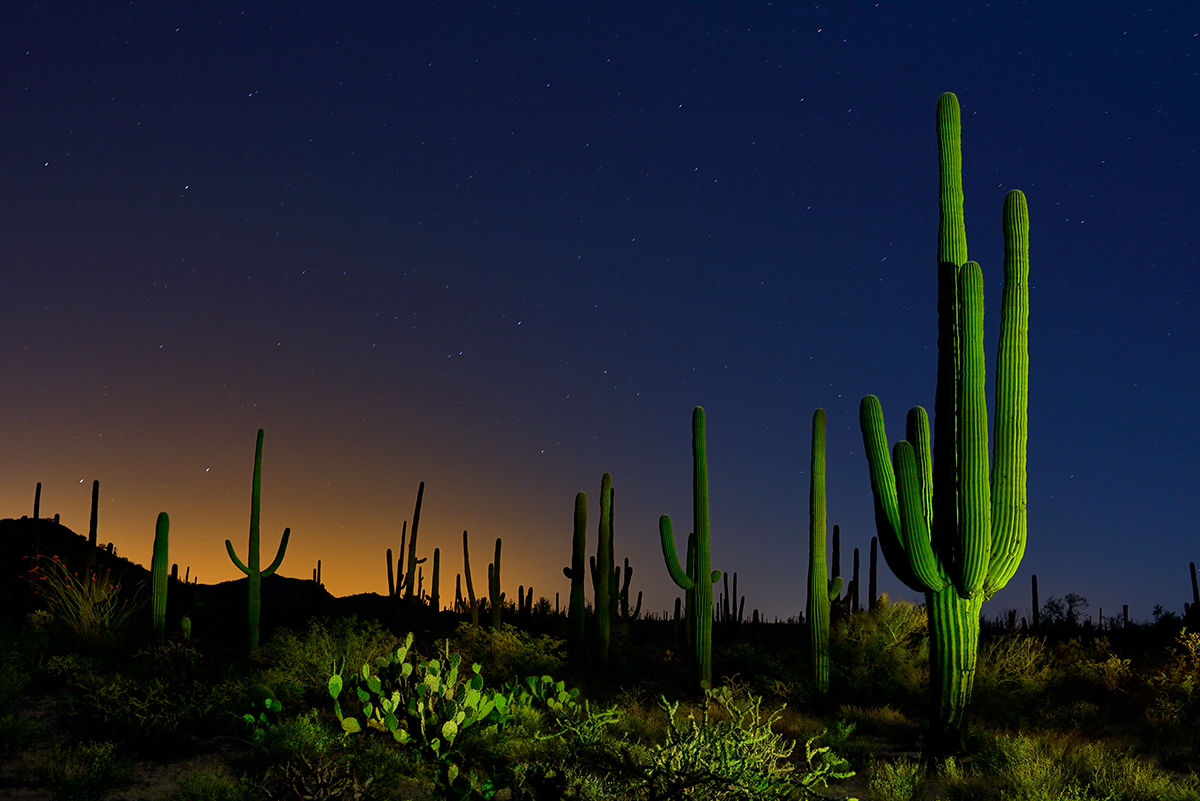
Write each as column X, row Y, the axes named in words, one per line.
column 253, row 574
column 411, row 574
column 602, row 570
column 93, row 522
column 495, row 596
column 577, row 612
column 435, row 601
column 470, row 587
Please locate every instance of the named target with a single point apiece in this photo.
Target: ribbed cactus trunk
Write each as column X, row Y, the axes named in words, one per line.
column 603, row 570
column 474, row 605
column 158, row 574
column 820, row 587
column 950, row 525
column 254, row 575
column 495, row 596
column 577, row 613
column 700, row 604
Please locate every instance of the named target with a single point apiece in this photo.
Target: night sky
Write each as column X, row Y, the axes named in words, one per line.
column 505, row 249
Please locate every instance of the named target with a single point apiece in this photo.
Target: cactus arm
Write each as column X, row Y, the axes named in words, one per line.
column 952, row 229
column 917, row 433
column 668, row 548
column 912, row 518
column 1012, row 400
column 287, row 532
column 237, row 562
column 974, row 489
column 883, row 488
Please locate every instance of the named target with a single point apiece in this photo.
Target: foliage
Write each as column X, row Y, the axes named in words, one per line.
column 209, row 785
column 898, row 780
column 740, row 757
column 90, row 607
column 883, row 657
column 300, row 665
column 508, row 654
column 88, row 772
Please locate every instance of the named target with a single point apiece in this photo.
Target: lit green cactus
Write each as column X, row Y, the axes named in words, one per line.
column 820, row 587
column 158, row 574
column 253, row 574
column 699, row 582
column 946, row 527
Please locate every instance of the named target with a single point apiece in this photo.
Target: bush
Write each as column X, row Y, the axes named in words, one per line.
column 900, row 780
column 509, row 654
column 882, row 656
column 300, row 665
column 88, row 772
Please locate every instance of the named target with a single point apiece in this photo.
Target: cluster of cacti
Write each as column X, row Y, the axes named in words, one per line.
column 730, row 611
column 697, row 581
column 821, row 588
column 158, row 574
column 943, row 530
column 255, row 575
column 428, row 703
column 524, row 602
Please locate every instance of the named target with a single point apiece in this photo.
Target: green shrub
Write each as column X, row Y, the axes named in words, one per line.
column 300, row 665
column 209, row 785
column 90, row 607
column 882, row 656
column 509, row 654
column 87, row 772
column 898, row 780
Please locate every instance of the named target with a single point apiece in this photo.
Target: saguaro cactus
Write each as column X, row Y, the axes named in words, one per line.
column 410, row 576
column 700, row 581
column 253, row 574
column 820, row 587
column 495, row 596
column 470, row 587
column 602, row 570
column 944, row 530
column 90, row 566
column 158, row 574
column 577, row 614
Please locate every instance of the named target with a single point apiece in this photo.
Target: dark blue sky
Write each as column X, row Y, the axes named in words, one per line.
column 506, row 248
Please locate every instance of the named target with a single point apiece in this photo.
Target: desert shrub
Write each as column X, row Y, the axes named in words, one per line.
column 299, row 665
column 882, row 656
column 90, row 607
column 209, row 785
column 752, row 662
column 509, row 654
column 897, row 780
column 1054, row 767
column 87, row 772
column 882, row 721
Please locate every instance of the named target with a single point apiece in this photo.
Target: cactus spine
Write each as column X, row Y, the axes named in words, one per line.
column 253, row 574
column 158, row 574
column 700, row 604
column 943, row 529
column 820, row 587
column 577, row 615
